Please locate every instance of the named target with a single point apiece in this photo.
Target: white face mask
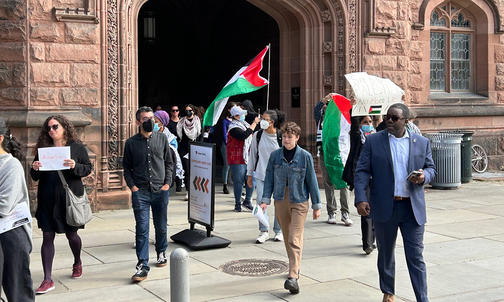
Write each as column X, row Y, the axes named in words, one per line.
column 264, row 124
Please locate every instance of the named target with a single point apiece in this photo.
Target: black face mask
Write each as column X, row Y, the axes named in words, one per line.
column 148, row 125
column 189, row 113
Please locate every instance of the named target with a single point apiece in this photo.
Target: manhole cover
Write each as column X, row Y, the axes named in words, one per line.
column 254, row 267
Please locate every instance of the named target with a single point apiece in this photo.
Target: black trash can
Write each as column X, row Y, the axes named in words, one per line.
column 466, row 150
column 465, row 154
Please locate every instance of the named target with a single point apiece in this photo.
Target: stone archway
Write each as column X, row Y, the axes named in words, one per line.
column 318, row 45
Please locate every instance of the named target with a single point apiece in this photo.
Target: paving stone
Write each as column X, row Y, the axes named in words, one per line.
column 120, row 293
column 436, row 216
column 469, row 229
column 493, row 210
column 461, row 251
column 491, row 294
column 260, row 297
column 218, row 285
column 343, row 290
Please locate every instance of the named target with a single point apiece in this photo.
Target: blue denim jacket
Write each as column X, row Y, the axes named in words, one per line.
column 299, row 173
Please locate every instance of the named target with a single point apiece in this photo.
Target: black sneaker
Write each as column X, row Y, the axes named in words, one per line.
column 161, row 260
column 248, row 206
column 225, row 189
column 292, row 285
column 141, row 273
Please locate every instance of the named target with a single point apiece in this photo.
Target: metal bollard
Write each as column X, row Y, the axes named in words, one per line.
column 179, row 276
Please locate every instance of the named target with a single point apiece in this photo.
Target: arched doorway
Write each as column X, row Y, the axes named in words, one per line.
column 317, row 45
column 188, row 50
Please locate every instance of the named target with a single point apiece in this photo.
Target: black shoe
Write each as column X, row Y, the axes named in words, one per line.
column 141, row 273
column 161, row 259
column 225, row 189
column 291, row 284
column 368, row 250
column 178, row 189
column 248, row 206
column 237, row 209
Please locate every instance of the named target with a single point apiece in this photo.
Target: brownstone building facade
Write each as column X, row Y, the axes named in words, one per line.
column 81, row 58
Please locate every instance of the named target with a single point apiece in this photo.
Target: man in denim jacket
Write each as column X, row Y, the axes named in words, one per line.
column 291, row 178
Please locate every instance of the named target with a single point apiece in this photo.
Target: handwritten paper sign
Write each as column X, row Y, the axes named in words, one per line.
column 373, row 94
column 20, row 216
column 52, row 158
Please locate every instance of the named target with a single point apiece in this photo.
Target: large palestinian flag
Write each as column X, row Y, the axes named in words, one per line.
column 246, row 80
column 336, row 138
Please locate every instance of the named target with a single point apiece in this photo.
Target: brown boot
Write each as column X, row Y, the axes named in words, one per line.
column 388, row 298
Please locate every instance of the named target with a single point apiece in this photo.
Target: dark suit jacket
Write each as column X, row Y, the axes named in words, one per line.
column 375, row 168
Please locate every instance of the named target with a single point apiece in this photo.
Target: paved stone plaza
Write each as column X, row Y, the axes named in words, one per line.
column 464, row 252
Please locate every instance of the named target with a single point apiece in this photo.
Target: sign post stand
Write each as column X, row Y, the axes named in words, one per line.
column 201, row 205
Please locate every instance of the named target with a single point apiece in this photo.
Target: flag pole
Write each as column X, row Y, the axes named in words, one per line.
column 269, row 68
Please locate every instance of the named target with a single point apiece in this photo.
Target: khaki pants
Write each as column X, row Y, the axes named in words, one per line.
column 292, row 217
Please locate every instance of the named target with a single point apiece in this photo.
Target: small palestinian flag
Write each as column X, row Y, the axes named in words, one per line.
column 375, row 109
column 246, row 80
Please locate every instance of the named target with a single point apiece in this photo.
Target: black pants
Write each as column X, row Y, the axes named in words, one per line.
column 17, row 282
column 368, row 233
column 185, row 165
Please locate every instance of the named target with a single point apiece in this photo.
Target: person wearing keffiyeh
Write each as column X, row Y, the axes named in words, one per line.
column 188, row 130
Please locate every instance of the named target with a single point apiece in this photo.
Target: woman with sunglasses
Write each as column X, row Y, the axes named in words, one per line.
column 58, row 131
column 188, row 130
column 15, row 244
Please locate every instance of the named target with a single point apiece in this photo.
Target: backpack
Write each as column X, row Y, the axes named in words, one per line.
column 258, row 139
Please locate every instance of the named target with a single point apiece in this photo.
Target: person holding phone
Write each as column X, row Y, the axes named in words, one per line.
column 395, row 201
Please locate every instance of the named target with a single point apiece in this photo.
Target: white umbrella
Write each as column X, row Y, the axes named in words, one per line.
column 373, row 94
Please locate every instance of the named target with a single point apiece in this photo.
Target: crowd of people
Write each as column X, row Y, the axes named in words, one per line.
column 262, row 154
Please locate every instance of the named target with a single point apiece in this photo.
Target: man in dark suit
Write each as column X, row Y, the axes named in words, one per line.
column 396, row 200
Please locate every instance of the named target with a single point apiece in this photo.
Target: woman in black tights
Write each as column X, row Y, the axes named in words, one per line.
column 58, row 131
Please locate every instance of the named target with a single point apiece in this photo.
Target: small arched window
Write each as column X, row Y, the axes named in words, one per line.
column 451, row 49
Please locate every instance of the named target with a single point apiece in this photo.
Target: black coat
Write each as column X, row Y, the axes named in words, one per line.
column 51, row 197
column 353, row 157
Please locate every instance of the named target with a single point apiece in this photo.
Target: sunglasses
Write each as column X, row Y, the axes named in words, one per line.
column 53, row 127
column 394, row 118
column 175, row 110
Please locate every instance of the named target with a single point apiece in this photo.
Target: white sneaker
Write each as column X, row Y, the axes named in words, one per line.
column 331, row 219
column 278, row 237
column 346, row 219
column 263, row 236
column 186, row 198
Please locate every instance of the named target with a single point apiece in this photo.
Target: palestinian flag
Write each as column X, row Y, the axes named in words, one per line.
column 376, row 109
column 246, row 80
column 336, row 138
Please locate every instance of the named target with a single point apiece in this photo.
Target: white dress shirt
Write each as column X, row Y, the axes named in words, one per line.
column 399, row 149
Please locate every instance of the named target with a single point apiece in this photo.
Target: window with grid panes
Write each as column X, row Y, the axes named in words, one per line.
column 451, row 49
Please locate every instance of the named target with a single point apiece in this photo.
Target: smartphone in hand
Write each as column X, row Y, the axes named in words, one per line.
column 413, row 174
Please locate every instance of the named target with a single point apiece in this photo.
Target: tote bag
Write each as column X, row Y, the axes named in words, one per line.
column 78, row 209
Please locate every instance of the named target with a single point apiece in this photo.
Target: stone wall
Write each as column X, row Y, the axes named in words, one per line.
column 64, row 58
column 50, row 67
column 13, row 66
column 401, row 52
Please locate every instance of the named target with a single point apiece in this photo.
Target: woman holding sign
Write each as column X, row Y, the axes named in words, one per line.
column 15, row 243
column 58, row 131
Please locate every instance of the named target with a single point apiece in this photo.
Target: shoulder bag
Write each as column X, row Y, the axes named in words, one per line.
column 78, row 209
